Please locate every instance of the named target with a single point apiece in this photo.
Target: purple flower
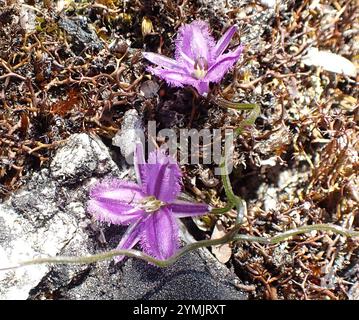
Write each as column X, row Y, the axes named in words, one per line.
column 149, row 207
column 199, row 59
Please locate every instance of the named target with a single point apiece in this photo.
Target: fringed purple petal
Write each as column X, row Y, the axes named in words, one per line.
column 187, row 63
column 161, row 61
column 190, row 63
column 224, row 41
column 114, row 201
column 113, row 213
column 163, row 177
column 117, row 191
column 195, row 41
column 131, row 237
column 222, row 65
column 139, row 164
column 183, row 209
column 173, row 78
column 179, row 79
column 202, row 87
column 160, row 235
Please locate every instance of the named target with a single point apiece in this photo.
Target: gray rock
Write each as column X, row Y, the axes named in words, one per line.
column 353, row 293
column 80, row 158
column 149, row 89
column 270, row 3
column 47, row 217
column 131, row 131
column 80, row 33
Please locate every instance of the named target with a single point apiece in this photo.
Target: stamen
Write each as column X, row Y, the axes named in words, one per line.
column 200, row 68
column 151, row 204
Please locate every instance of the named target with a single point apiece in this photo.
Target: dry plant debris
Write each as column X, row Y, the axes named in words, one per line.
column 76, row 66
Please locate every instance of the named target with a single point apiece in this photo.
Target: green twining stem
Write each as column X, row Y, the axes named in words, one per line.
column 234, row 200
column 230, row 236
column 233, row 105
column 249, row 121
column 223, row 210
column 315, row 227
column 129, row 253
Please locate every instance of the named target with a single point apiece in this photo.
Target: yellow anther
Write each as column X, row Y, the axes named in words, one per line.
column 151, row 204
column 200, row 68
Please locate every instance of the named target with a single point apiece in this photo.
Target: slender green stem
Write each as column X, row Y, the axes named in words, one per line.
column 223, row 210
column 129, row 253
column 234, row 200
column 300, row 230
column 230, row 236
column 231, row 197
column 315, row 227
column 250, row 120
column 233, row 105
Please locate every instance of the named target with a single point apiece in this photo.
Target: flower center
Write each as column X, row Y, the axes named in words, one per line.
column 151, row 204
column 200, row 68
